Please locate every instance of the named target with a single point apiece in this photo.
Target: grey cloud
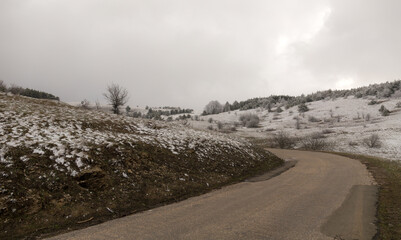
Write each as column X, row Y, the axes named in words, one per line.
column 185, row 53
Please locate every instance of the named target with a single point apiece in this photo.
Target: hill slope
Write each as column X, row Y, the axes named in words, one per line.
column 61, row 166
column 345, row 123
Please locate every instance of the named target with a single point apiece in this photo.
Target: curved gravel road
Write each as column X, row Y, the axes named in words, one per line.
column 322, row 197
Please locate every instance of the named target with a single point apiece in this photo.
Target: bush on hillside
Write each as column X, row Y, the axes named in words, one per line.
column 249, row 120
column 16, row 90
column 85, row 104
column 384, row 111
column 3, row 87
column 283, row 140
column 373, row 141
column 313, row 119
column 302, row 108
column 297, row 123
column 315, row 142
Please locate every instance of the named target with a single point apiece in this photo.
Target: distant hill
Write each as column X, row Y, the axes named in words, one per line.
column 382, row 90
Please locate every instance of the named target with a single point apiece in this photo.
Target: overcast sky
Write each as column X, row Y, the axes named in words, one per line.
column 186, row 53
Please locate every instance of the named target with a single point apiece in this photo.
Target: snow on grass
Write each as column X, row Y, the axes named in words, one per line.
column 350, row 119
column 67, row 133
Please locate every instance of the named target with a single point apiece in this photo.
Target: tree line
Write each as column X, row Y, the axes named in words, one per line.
column 17, row 90
column 381, row 90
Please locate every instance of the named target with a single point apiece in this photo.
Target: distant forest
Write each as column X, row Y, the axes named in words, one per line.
column 26, row 92
column 168, row 111
column 381, row 90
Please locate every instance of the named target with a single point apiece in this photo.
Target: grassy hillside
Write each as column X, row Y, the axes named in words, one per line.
column 344, row 123
column 64, row 167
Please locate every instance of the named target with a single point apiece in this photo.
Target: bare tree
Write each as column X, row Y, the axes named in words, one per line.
column 117, row 96
column 373, row 141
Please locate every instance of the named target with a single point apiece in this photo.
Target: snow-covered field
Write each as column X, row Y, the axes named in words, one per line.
column 69, row 133
column 347, row 122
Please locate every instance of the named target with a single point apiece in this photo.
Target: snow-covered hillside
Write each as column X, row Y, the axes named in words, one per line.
column 60, row 164
column 69, row 133
column 346, row 122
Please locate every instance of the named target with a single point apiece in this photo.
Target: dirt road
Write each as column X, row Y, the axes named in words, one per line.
column 323, row 196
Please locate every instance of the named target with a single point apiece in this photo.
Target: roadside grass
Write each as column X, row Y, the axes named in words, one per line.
column 388, row 175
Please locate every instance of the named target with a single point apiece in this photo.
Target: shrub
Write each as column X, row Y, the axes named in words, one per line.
column 139, row 114
column 297, row 123
column 253, row 123
column 279, row 110
column 327, row 131
column 85, row 104
column 302, row 108
column 313, row 119
column 249, row 120
column 219, row 125
column 210, row 127
column 398, row 105
column 367, row 117
column 352, row 143
column 373, row 141
column 384, row 111
column 397, row 94
column 269, row 129
column 372, row 102
column 16, row 90
column 283, row 140
column 315, row 141
column 3, row 87
column 331, row 113
column 210, row 120
column 128, row 109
